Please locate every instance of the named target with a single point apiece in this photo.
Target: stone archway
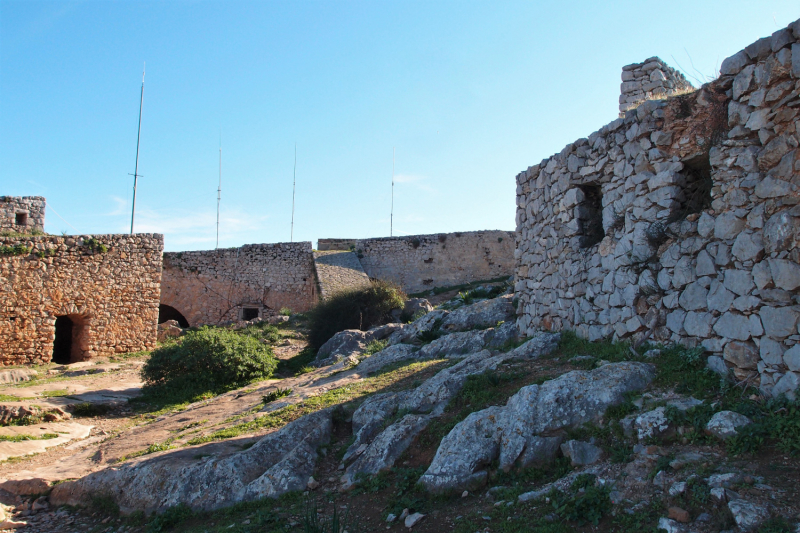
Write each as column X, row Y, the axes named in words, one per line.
column 167, row 312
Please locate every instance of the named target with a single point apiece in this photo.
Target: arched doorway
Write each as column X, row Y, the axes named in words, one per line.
column 166, row 312
column 68, row 344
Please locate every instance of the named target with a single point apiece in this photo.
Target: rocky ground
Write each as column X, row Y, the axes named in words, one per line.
column 447, row 423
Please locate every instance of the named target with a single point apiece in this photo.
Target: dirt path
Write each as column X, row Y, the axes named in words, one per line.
column 100, row 441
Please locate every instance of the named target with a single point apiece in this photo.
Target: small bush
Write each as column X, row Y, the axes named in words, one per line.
column 276, row 394
column 285, row 311
column 206, row 360
column 375, row 347
column 361, row 308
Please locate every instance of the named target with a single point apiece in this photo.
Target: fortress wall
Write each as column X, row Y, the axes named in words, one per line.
column 679, row 222
column 214, row 286
column 27, row 209
column 107, row 285
column 420, row 262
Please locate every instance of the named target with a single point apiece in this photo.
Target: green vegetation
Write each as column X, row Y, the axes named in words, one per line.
column 262, row 331
column 479, row 392
column 361, row 308
column 24, row 437
column 340, row 395
column 462, row 287
column 206, row 361
column 299, row 364
column 276, row 394
column 95, row 246
column 170, row 518
column 775, row 421
column 375, row 347
column 285, row 311
column 49, row 252
column 153, row 448
column 583, row 502
column 16, row 249
column 315, row 522
column 90, row 409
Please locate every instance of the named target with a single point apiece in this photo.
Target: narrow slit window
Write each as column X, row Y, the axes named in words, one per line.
column 590, row 216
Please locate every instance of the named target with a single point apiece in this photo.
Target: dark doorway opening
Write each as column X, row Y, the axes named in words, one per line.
column 590, row 216
column 166, row 312
column 22, row 219
column 62, row 345
column 249, row 313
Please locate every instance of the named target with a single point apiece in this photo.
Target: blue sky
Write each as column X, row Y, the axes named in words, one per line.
column 468, row 93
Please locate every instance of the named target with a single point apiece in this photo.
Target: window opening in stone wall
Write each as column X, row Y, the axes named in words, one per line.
column 22, row 219
column 590, row 216
column 697, row 187
column 698, row 184
column 68, row 343
column 166, row 312
column 249, row 313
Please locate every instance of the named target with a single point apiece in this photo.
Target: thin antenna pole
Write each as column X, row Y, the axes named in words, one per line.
column 294, row 183
column 391, row 214
column 138, row 136
column 219, row 188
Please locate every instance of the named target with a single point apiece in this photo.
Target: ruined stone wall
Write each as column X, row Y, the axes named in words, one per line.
column 108, row 286
column 679, row 221
column 420, row 262
column 27, row 209
column 324, row 245
column 213, row 286
column 651, row 79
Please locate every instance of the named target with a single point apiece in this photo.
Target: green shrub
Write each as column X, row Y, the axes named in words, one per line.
column 206, row 360
column 276, row 394
column 361, row 308
column 285, row 311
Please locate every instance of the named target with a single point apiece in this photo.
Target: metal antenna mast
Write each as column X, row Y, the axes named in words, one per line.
column 138, row 134
column 294, row 182
column 391, row 214
column 219, row 188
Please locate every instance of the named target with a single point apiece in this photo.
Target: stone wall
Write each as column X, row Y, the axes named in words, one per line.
column 216, row 286
column 338, row 270
column 679, row 222
column 420, row 262
column 651, row 79
column 107, row 286
column 335, row 244
column 22, row 214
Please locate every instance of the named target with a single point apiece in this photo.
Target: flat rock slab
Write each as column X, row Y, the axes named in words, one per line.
column 16, row 375
column 66, row 431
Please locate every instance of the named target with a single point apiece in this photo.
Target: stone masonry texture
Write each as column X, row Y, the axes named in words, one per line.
column 680, row 221
column 338, row 270
column 214, row 286
column 108, row 286
column 28, row 208
column 650, row 79
column 420, row 262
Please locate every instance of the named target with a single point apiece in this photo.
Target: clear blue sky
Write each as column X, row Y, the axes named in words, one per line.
column 468, row 93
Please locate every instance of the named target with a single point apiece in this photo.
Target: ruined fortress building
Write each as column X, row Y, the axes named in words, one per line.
column 68, row 299
column 678, row 222
column 22, row 214
column 256, row 280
